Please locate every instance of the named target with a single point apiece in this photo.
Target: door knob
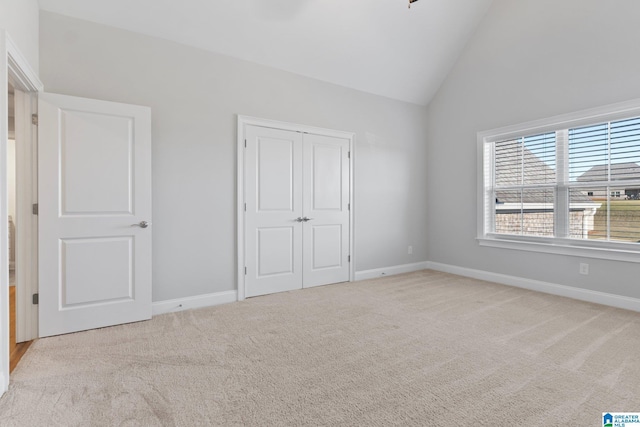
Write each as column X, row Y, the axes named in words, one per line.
column 141, row 224
column 302, row 219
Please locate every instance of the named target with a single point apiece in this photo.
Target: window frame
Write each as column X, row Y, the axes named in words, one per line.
column 617, row 251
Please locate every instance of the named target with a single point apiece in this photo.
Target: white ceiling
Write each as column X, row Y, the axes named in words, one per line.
column 376, row 46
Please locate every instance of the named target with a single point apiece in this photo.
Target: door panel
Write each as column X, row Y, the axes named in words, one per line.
column 94, row 187
column 82, row 262
column 327, row 176
column 326, row 203
column 273, row 195
column 107, row 184
column 275, row 251
column 327, row 246
column 275, row 174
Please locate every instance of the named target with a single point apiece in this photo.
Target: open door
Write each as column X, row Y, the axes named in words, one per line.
column 94, row 246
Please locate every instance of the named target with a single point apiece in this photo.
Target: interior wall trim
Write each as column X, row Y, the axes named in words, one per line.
column 14, row 68
column 20, row 72
column 198, row 301
column 391, row 270
column 612, row 300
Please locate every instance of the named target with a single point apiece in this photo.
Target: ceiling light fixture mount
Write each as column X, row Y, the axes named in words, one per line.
column 411, row 1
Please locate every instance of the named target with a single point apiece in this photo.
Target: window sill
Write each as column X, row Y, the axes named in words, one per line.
column 612, row 251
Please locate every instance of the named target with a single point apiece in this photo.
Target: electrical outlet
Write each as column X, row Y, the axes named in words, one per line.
column 410, row 250
column 584, row 268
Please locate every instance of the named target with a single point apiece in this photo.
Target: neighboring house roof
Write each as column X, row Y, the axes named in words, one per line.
column 509, row 161
column 619, row 171
column 535, row 171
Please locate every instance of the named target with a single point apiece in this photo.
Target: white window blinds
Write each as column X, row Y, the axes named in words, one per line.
column 577, row 182
column 524, row 185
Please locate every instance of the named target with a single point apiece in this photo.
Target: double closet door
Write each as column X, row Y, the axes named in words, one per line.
column 297, row 210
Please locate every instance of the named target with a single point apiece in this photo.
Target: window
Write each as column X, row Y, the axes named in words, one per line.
column 566, row 185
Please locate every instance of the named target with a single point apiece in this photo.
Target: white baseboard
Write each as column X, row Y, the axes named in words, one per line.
column 390, row 271
column 597, row 297
column 199, row 301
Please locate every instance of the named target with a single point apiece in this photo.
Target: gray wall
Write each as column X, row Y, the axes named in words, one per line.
column 20, row 19
column 195, row 96
column 529, row 59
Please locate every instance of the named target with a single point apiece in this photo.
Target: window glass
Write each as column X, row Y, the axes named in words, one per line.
column 580, row 183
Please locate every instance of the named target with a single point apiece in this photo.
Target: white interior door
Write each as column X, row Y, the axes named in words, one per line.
column 94, row 194
column 326, row 210
column 297, row 219
column 273, row 197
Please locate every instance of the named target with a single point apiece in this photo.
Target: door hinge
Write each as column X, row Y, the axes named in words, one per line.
column 348, row 206
column 245, row 207
column 245, row 271
column 245, row 143
column 34, row 209
column 34, row 299
column 349, row 258
column 348, row 154
column 34, row 119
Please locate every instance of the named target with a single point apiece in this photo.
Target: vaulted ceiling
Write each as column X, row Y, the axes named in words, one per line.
column 376, row 46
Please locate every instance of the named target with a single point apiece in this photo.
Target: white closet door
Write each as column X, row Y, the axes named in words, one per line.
column 94, row 175
column 326, row 210
column 273, row 196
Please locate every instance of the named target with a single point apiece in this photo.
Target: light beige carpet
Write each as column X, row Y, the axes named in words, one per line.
column 424, row 349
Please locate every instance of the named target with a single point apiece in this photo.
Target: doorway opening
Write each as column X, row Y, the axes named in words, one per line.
column 19, row 342
column 24, row 85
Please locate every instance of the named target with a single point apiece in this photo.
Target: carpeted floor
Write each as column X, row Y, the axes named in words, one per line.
column 423, row 349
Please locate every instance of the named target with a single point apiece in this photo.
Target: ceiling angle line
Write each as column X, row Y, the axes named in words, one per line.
column 411, row 1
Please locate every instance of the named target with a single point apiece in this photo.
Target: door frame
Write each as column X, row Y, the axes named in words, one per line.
column 14, row 68
column 243, row 122
column 26, row 243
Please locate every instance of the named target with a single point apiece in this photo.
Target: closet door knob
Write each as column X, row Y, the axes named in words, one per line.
column 305, row 219
column 141, row 224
